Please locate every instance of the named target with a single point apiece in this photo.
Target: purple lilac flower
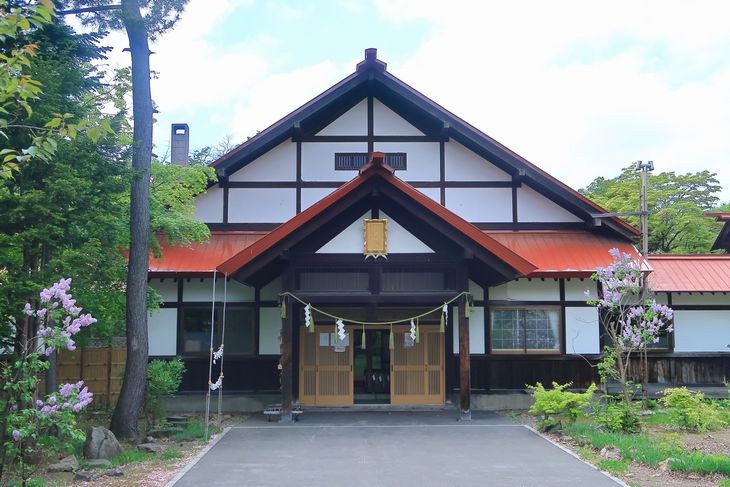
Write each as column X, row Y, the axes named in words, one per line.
column 71, row 345
column 38, row 403
column 52, row 400
column 66, row 389
column 16, row 435
column 28, row 309
column 49, row 351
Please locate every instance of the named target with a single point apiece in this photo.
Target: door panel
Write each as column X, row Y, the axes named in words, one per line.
column 417, row 371
column 326, row 376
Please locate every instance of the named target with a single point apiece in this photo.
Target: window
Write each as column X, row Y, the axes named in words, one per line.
column 525, row 330
column 409, row 280
column 350, row 161
column 341, row 280
column 239, row 337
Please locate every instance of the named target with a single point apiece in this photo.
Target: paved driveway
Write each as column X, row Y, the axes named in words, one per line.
column 388, row 449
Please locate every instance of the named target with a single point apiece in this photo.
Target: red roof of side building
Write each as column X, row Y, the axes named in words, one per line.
column 721, row 217
column 202, row 258
column 690, row 273
column 563, row 253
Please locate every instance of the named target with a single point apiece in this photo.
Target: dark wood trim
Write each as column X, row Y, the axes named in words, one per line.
column 561, row 285
column 487, row 324
column 442, row 173
column 464, row 351
column 336, row 184
column 701, row 307
column 225, row 203
column 287, row 367
column 179, row 341
column 367, row 138
column 515, row 218
column 257, row 319
column 568, row 304
column 299, row 177
column 371, row 123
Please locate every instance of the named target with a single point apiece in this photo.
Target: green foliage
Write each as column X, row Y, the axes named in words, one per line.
column 131, row 456
column 697, row 462
column 689, row 410
column 613, row 416
column 614, row 467
column 676, row 203
column 172, row 454
column 194, row 430
column 163, row 380
column 558, row 406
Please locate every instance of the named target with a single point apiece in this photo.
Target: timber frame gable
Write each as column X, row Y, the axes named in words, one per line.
column 372, row 81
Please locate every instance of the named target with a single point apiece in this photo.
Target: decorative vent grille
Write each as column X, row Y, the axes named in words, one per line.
column 349, row 161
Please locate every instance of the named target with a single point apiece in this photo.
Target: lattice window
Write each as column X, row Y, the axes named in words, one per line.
column 530, row 330
column 352, row 161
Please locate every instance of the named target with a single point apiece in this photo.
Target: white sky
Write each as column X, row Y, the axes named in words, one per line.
column 579, row 88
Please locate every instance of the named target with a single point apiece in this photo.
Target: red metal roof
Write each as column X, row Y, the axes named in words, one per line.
column 202, row 257
column 721, row 217
column 690, row 273
column 563, row 253
column 376, row 168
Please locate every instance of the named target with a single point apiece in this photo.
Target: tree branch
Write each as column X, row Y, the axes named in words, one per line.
column 84, row 10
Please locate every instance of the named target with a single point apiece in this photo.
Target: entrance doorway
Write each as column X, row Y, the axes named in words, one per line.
column 339, row 372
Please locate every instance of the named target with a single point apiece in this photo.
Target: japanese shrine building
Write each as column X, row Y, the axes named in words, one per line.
column 462, row 213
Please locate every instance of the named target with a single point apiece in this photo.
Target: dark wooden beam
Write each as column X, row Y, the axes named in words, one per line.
column 287, row 324
column 464, row 365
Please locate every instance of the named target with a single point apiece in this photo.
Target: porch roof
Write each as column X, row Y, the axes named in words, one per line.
column 690, row 273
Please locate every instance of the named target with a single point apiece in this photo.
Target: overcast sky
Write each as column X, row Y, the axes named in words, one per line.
column 580, row 89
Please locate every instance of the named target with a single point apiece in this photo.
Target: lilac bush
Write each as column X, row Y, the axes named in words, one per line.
column 631, row 319
column 31, row 424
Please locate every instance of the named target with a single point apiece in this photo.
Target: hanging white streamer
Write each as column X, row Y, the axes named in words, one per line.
column 341, row 329
column 217, row 383
column 218, row 353
column 413, row 330
column 308, row 315
column 445, row 309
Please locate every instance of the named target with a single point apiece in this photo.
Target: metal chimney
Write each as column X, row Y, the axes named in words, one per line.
column 180, row 143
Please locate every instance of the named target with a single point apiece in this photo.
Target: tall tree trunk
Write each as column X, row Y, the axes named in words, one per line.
column 131, row 397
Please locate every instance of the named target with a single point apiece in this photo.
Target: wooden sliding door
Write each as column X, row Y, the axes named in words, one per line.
column 326, row 376
column 417, row 369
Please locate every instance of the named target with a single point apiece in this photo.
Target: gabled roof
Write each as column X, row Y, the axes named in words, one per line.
column 690, row 273
column 371, row 77
column 722, row 242
column 375, row 169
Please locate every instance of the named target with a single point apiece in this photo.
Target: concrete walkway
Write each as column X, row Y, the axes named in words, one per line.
column 424, row 448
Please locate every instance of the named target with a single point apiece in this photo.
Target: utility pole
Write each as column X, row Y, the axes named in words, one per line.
column 644, row 168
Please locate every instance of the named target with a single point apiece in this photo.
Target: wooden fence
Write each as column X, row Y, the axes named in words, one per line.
column 101, row 369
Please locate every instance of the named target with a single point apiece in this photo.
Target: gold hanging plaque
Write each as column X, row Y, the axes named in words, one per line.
column 376, row 238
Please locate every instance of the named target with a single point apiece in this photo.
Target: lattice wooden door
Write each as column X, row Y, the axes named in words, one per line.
column 417, row 371
column 326, row 376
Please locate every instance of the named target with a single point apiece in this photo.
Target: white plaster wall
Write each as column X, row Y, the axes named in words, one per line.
column 476, row 330
column 271, row 291
column 312, row 195
column 696, row 298
column 526, row 290
column 279, row 164
column 481, row 204
column 166, row 288
column 269, row 329
column 581, row 330
column 209, row 206
column 162, row 330
column 575, row 289
column 476, row 290
column 261, row 205
column 349, row 241
column 461, row 164
column 423, row 159
column 387, row 122
column 318, row 160
column 235, row 292
column 352, row 122
column 433, row 193
column 534, row 207
column 702, row 331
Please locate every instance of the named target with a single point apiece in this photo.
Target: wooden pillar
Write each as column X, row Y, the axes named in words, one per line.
column 464, row 365
column 285, row 363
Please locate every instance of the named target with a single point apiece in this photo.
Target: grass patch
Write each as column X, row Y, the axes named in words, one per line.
column 639, row 448
column 724, row 483
column 658, row 419
column 614, row 467
column 131, row 456
column 194, row 430
column 171, row 454
column 700, row 463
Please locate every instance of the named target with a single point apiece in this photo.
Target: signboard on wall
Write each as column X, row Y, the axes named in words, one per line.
column 376, row 238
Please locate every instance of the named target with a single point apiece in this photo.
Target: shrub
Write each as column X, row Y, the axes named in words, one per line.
column 163, row 380
column 688, row 409
column 556, row 405
column 613, row 416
